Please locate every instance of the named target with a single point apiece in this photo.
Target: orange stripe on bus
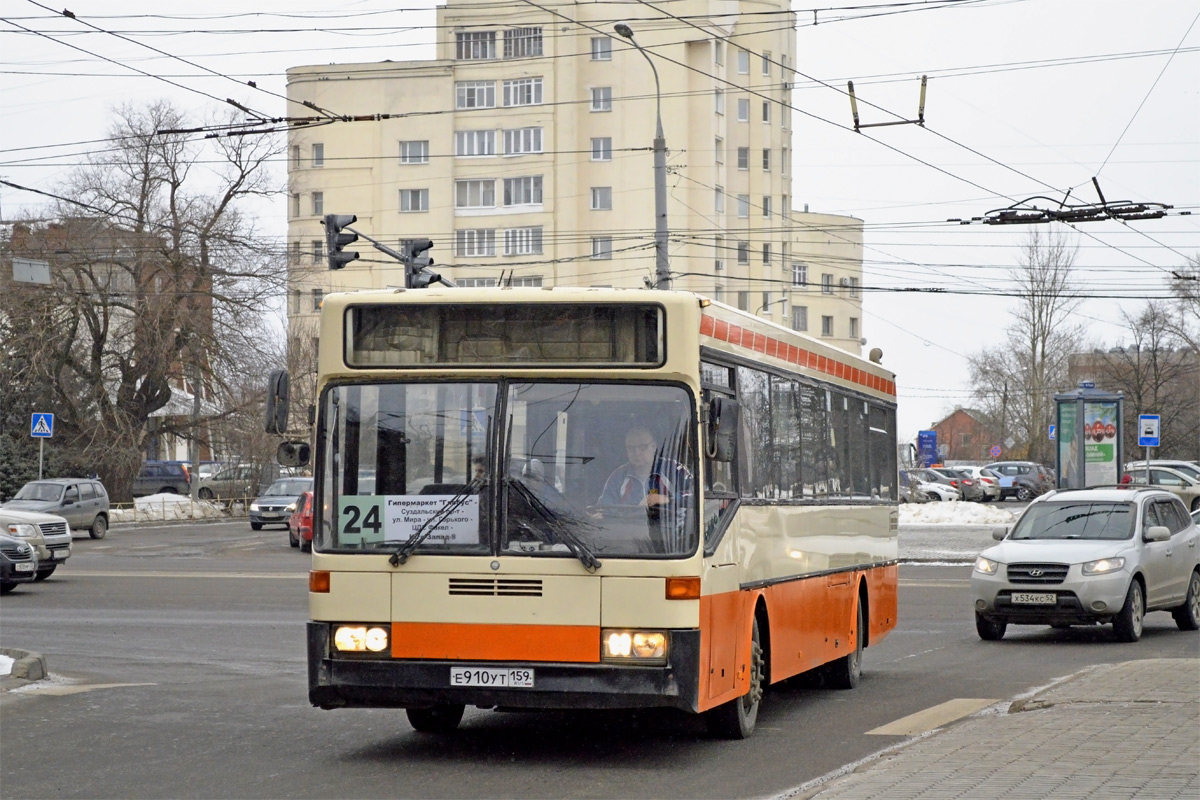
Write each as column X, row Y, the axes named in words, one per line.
column 481, row 642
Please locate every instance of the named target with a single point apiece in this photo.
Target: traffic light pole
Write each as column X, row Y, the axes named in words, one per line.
column 412, row 277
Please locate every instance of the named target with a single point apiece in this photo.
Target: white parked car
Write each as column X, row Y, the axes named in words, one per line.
column 929, row 489
column 1091, row 556
column 1172, row 480
column 1188, row 468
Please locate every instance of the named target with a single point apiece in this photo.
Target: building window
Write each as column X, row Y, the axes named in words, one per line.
column 743, row 109
column 530, row 281
column 318, row 250
column 853, row 287
column 719, row 101
column 296, row 205
column 522, row 42
column 602, row 148
column 295, row 259
column 719, row 293
column 827, row 326
column 601, row 48
column 602, row 247
column 318, row 153
column 601, row 98
column 414, row 152
column 318, row 203
column 766, row 159
column 475, row 94
column 743, row 62
column 785, row 206
column 475, row 193
column 854, row 327
column 474, row 143
column 523, row 92
column 523, row 191
column 601, row 198
column 743, row 206
column 744, row 301
column 783, row 166
column 766, row 254
column 718, row 151
column 719, row 200
column 743, row 158
column 826, row 283
column 718, row 52
column 766, row 301
column 799, row 274
column 766, row 205
column 295, row 156
column 475, row 242
column 475, row 283
column 520, row 141
column 766, row 63
column 800, row 318
column 523, row 241
column 475, row 45
column 743, row 253
column 414, row 200
column 317, row 296
column 766, row 111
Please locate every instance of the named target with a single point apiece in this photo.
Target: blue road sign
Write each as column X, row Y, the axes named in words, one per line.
column 1053, row 433
column 1148, row 427
column 41, row 426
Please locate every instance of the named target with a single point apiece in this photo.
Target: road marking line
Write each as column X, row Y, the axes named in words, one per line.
column 933, row 717
column 62, row 691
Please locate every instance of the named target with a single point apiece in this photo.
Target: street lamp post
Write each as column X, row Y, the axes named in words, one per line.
column 662, row 269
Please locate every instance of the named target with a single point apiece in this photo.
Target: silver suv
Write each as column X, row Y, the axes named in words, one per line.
column 1091, row 556
column 82, row 501
column 47, row 534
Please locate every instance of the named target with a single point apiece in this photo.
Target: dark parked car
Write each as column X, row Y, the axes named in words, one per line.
column 962, row 481
column 18, row 563
column 274, row 505
column 82, row 501
column 162, row 477
column 1023, row 480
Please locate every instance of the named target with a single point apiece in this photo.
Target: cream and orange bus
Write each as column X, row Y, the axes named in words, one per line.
column 591, row 498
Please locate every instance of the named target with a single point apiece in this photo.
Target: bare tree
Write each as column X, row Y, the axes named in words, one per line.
column 1014, row 384
column 157, row 269
column 1185, row 285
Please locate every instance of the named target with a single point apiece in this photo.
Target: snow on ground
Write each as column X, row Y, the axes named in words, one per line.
column 955, row 513
column 6, row 665
column 157, row 507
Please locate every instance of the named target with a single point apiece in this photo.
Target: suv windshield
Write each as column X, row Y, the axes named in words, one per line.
column 572, row 470
column 40, row 491
column 1076, row 520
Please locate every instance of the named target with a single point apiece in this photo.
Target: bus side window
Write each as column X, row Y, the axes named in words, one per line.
column 720, row 489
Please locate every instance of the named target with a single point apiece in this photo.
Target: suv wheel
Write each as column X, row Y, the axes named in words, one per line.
column 1187, row 616
column 99, row 528
column 989, row 630
column 1128, row 623
column 1024, row 494
column 45, row 572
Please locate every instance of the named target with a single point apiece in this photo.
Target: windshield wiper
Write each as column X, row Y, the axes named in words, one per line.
column 430, row 525
column 573, row 542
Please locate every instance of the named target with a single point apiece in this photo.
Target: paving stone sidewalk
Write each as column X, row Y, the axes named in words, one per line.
column 1129, row 730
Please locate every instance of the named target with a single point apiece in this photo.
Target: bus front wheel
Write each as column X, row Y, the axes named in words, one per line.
column 435, row 719
column 736, row 719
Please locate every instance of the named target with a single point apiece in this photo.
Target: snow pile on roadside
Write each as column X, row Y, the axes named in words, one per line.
column 157, row 507
column 954, row 513
column 6, row 665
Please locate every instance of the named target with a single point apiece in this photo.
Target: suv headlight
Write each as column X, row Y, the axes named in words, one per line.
column 986, row 565
column 1103, row 566
column 22, row 529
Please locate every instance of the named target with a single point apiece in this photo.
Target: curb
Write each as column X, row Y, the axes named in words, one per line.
column 27, row 667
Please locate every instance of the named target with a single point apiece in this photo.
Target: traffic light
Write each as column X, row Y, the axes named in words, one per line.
column 417, row 261
column 335, row 240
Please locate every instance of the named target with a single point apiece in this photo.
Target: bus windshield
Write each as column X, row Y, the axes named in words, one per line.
column 532, row 468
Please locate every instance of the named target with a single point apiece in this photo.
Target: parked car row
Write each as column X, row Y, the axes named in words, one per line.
column 1097, row 556
column 1179, row 478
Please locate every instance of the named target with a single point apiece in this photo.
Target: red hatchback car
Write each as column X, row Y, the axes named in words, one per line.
column 300, row 523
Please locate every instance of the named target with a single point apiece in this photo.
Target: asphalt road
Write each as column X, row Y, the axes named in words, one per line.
column 177, row 663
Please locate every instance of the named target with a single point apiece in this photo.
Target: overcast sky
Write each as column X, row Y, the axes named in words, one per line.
column 1025, row 98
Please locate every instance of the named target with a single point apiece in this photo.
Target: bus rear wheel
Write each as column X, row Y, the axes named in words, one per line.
column 737, row 718
column 845, row 672
column 435, row 719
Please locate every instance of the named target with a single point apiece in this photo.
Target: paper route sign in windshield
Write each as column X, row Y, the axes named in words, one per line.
column 394, row 518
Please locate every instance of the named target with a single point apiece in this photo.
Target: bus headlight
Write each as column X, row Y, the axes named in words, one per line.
column 360, row 639
column 647, row 647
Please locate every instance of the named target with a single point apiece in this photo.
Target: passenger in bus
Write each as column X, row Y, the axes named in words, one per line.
column 647, row 478
column 479, row 468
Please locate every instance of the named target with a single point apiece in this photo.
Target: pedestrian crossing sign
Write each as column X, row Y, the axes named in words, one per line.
column 41, row 426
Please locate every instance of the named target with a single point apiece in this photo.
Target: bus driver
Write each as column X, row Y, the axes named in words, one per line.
column 646, row 479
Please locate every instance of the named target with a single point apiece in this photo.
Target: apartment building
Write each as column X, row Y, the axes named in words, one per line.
column 524, row 152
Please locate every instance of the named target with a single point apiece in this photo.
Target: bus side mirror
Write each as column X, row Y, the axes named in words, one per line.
column 722, row 429
column 293, row 454
column 277, row 402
